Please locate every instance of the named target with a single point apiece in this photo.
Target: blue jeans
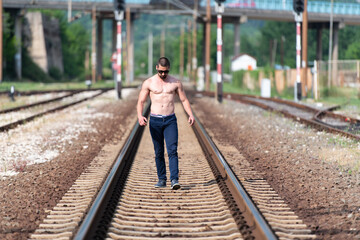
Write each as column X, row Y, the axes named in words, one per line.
column 161, row 128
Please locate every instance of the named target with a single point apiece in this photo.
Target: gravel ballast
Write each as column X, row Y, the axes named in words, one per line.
column 316, row 173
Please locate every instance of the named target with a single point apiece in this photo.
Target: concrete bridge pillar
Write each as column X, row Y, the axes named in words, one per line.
column 335, row 50
column 236, row 39
column 130, row 46
column 18, row 37
column 335, row 54
column 99, row 49
column 319, row 31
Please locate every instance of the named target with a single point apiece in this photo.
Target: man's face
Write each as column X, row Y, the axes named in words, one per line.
column 162, row 71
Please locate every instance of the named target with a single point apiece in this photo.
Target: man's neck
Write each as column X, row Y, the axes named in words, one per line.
column 163, row 80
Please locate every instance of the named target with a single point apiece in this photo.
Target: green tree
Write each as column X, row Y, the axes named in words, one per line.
column 9, row 47
column 75, row 40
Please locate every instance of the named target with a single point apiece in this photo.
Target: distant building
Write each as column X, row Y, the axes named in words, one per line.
column 243, row 62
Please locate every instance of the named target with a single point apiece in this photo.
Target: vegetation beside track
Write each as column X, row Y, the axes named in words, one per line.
column 36, row 86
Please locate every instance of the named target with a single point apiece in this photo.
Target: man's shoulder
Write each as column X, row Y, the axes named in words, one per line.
column 148, row 81
column 174, row 80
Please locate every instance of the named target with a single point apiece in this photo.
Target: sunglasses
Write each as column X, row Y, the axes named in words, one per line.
column 161, row 72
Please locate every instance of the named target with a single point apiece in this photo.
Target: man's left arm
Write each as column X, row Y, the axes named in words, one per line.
column 185, row 102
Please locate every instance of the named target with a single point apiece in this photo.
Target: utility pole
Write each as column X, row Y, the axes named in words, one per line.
column 150, row 55
column 93, row 46
column 219, row 7
column 305, row 48
column 69, row 10
column 330, row 45
column 298, row 6
column 194, row 42
column 207, row 46
column 1, row 41
column 129, row 47
column 282, row 50
column 162, row 42
column 119, row 7
column 182, row 51
column 188, row 65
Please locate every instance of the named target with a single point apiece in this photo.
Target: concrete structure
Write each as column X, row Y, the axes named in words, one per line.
column 344, row 13
column 45, row 43
column 243, row 62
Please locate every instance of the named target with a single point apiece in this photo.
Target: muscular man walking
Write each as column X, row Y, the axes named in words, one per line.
column 162, row 89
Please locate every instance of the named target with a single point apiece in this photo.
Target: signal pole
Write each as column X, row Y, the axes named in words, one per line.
column 194, row 42
column 119, row 6
column 1, row 41
column 219, row 8
column 93, row 46
column 305, row 49
column 207, row 46
column 298, row 6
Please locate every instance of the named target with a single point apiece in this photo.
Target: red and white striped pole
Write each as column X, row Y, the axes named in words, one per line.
column 219, row 10
column 118, row 59
column 297, row 85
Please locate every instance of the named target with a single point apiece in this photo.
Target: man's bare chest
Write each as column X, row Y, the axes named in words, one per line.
column 163, row 88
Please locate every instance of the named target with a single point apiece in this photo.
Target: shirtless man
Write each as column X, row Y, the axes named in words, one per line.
column 162, row 89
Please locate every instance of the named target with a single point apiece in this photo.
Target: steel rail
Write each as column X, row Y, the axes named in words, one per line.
column 29, row 93
column 27, row 119
column 72, row 92
column 96, row 222
column 36, row 103
column 315, row 122
column 90, row 226
column 260, row 228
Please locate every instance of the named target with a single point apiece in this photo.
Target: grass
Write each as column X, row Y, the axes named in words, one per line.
column 228, row 88
column 342, row 142
column 34, row 86
column 341, row 96
column 348, row 98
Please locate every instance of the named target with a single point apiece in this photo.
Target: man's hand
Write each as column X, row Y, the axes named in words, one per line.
column 142, row 120
column 191, row 120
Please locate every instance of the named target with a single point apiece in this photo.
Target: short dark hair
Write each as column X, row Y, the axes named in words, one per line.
column 164, row 62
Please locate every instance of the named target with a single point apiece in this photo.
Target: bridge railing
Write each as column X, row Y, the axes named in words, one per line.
column 346, row 7
column 96, row 1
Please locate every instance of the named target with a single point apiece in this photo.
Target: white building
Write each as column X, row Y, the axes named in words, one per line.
column 243, row 62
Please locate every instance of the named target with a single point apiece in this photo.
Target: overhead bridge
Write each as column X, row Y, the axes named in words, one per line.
column 236, row 12
column 279, row 10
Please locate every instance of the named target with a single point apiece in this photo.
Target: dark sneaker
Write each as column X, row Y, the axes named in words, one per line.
column 161, row 183
column 175, row 184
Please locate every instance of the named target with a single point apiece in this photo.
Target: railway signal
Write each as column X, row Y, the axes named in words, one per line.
column 298, row 9
column 219, row 8
column 298, row 6
column 119, row 7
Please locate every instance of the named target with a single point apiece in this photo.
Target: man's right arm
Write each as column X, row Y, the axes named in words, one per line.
column 144, row 92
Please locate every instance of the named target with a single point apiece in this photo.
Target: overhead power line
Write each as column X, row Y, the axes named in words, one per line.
column 183, row 6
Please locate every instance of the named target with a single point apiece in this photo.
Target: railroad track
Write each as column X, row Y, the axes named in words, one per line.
column 29, row 93
column 321, row 119
column 117, row 200
column 66, row 94
column 11, row 118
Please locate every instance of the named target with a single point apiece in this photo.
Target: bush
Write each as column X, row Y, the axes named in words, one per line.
column 32, row 71
column 55, row 73
column 269, row 72
column 238, row 78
